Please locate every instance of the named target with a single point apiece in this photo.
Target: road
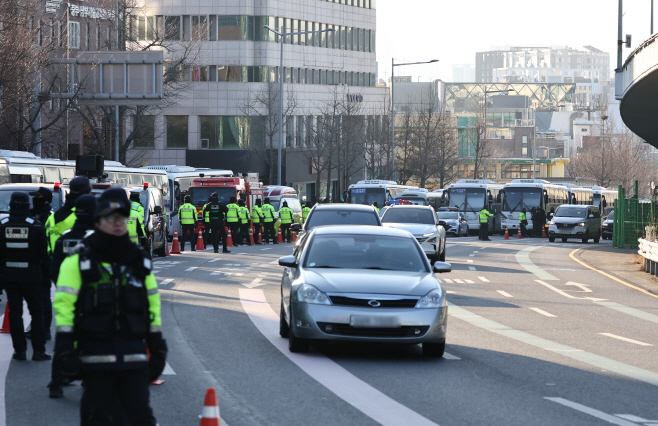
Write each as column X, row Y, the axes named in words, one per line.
column 534, row 338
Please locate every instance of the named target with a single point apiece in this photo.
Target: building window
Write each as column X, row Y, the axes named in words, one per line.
column 584, row 130
column 87, row 36
column 211, row 130
column 177, row 131
column 144, row 125
column 74, row 35
column 524, row 146
column 172, row 28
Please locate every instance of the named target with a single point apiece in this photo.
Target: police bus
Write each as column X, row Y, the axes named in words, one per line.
column 528, row 193
column 604, row 198
column 423, row 197
column 368, row 191
column 470, row 195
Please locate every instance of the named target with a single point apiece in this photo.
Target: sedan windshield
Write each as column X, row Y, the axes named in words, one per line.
column 414, row 200
column 571, row 212
column 408, row 215
column 200, row 195
column 448, row 215
column 375, row 252
column 341, row 217
column 5, row 197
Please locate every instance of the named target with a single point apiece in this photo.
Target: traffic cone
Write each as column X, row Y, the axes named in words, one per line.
column 5, row 323
column 175, row 247
column 518, row 236
column 167, row 245
column 293, row 235
column 229, row 239
column 251, row 235
column 278, row 237
column 506, row 234
column 199, row 241
column 543, row 232
column 210, row 413
column 260, row 234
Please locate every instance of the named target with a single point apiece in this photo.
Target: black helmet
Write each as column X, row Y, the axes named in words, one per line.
column 241, row 203
column 214, row 196
column 258, row 202
column 231, row 200
column 85, row 204
column 113, row 200
column 285, row 204
column 188, row 199
column 134, row 196
column 19, row 202
column 267, row 200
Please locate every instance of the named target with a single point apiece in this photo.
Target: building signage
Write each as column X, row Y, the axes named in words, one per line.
column 91, row 12
column 354, row 98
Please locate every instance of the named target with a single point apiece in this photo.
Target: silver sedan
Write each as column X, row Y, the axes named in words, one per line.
column 363, row 283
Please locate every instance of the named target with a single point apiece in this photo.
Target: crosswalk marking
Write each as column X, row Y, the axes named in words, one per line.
column 213, row 260
column 504, row 293
column 544, row 313
column 447, row 280
column 469, row 282
column 191, row 269
column 484, row 279
column 165, row 282
column 458, row 281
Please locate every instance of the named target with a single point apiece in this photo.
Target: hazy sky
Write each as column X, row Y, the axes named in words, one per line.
column 453, row 30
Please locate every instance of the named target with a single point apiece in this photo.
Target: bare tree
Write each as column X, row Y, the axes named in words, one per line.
column 377, row 145
column 404, row 136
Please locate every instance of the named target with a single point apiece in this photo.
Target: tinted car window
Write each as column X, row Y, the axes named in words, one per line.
column 365, row 252
column 448, row 215
column 611, row 216
column 409, row 215
column 341, row 217
column 5, row 197
column 571, row 212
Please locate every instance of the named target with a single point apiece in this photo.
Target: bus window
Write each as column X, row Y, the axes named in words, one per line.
column 50, row 174
column 66, row 174
column 135, row 179
column 4, row 172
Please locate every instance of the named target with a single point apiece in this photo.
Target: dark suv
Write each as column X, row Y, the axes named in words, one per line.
column 607, row 226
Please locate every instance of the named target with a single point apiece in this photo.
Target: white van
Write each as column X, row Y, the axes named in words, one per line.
column 574, row 221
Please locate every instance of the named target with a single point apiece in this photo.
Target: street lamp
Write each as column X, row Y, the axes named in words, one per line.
column 282, row 36
column 485, row 121
column 393, row 65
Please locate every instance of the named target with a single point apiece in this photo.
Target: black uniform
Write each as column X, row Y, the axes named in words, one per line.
column 41, row 211
column 218, row 212
column 24, row 266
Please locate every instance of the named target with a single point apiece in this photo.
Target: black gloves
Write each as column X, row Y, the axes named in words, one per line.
column 157, row 346
column 65, row 354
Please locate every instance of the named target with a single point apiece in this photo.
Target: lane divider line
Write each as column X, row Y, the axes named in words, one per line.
column 597, row 361
column 365, row 398
column 592, row 412
column 167, row 281
column 191, row 269
column 483, row 279
column 571, row 255
column 504, row 293
column 446, row 355
column 626, row 339
column 523, row 258
column 544, row 313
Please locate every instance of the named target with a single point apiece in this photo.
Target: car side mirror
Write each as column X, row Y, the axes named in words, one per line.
column 439, row 267
column 591, row 215
column 296, row 227
column 288, row 261
column 157, row 210
column 605, row 218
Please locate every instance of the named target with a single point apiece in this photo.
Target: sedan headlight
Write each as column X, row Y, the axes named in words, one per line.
column 606, row 225
column 309, row 294
column 580, row 224
column 431, row 234
column 434, row 299
column 551, row 223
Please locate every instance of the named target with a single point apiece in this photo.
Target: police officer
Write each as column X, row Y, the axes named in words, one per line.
column 65, row 246
column 217, row 214
column 374, row 204
column 24, row 266
column 107, row 301
column 257, row 218
column 484, row 224
column 206, row 222
column 233, row 221
column 187, row 216
column 136, row 220
column 64, row 218
column 42, row 199
column 523, row 223
column 285, row 215
column 268, row 222
column 306, row 211
column 243, row 214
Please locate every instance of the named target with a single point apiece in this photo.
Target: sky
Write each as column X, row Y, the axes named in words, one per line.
column 452, row 31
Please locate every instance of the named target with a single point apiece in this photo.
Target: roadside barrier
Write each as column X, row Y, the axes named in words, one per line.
column 210, row 413
column 175, row 246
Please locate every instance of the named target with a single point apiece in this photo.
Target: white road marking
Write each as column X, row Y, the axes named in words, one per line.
column 484, row 279
column 544, row 313
column 475, row 251
column 630, row 311
column 269, row 248
column 446, row 355
column 585, row 357
column 274, row 262
column 583, row 287
column 191, row 269
column 565, row 294
column 523, row 258
column 636, row 419
column 592, row 412
column 626, row 339
column 239, row 274
column 472, row 268
column 220, row 273
column 365, row 398
column 504, row 293
column 458, row 281
column 168, row 371
column 469, row 261
column 471, row 255
column 451, row 292
column 213, row 260
column 469, row 282
column 229, row 264
column 167, row 281
column 255, row 283
column 447, row 280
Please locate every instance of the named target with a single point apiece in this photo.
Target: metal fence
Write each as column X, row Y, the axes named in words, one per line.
column 632, row 218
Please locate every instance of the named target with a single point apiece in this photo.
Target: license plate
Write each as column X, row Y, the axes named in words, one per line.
column 371, row 321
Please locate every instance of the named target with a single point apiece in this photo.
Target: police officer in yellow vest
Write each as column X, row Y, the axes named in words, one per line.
column 64, row 218
column 257, row 218
column 268, row 221
column 187, row 216
column 233, row 221
column 286, row 216
column 107, row 301
column 243, row 214
column 305, row 211
column 523, row 223
column 136, row 220
column 484, row 224
column 374, row 204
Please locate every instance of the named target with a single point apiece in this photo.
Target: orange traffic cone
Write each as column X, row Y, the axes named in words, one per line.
column 229, row 239
column 278, row 237
column 251, row 235
column 506, row 234
column 543, row 232
column 293, row 235
column 210, row 413
column 5, row 323
column 518, row 236
column 260, row 235
column 175, row 247
column 167, row 245
column 199, row 241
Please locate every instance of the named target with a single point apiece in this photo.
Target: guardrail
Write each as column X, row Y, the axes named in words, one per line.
column 649, row 251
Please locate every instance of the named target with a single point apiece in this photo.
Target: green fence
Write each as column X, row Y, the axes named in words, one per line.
column 631, row 217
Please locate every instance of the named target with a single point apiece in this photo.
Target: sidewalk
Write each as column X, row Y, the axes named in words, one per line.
column 618, row 263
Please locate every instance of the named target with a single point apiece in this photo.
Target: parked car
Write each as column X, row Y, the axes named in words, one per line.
column 362, row 283
column 423, row 224
column 59, row 194
column 607, row 225
column 575, row 221
column 155, row 223
column 453, row 222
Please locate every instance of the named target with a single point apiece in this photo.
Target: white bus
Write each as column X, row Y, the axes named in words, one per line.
column 469, row 196
column 528, row 193
column 179, row 179
column 368, row 191
column 604, row 199
column 422, row 197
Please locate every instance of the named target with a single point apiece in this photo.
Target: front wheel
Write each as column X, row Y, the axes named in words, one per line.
column 586, row 237
column 434, row 350
column 442, row 256
column 296, row 344
column 564, row 240
column 162, row 251
column 551, row 239
column 284, row 329
column 598, row 237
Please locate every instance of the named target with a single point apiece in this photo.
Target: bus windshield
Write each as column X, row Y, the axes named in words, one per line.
column 201, row 195
column 517, row 199
column 467, row 199
column 368, row 195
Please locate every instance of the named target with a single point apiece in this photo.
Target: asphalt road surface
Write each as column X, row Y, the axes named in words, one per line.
column 534, row 338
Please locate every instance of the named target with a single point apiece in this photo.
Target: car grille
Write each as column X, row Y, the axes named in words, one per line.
column 396, row 303
column 564, row 226
column 348, row 330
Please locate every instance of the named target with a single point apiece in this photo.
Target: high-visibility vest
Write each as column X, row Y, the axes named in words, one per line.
column 256, row 214
column 206, row 213
column 55, row 230
column 268, row 213
column 521, row 217
column 138, row 206
column 285, row 214
column 232, row 215
column 484, row 216
column 305, row 213
column 133, row 223
column 187, row 214
column 243, row 214
column 377, row 208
